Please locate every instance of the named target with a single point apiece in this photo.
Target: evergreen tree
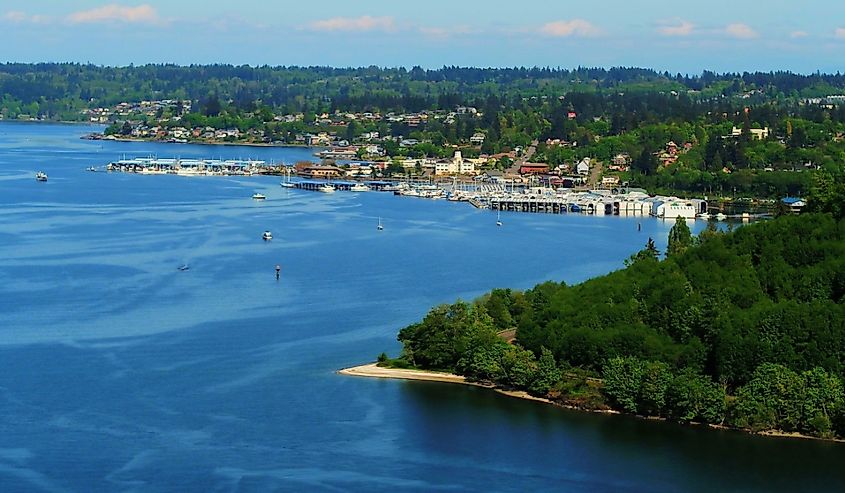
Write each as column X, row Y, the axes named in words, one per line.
column 650, row 252
column 680, row 237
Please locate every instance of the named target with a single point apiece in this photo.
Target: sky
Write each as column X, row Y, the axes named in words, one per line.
column 688, row 37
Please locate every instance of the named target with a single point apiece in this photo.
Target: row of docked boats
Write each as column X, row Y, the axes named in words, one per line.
column 421, row 190
column 188, row 167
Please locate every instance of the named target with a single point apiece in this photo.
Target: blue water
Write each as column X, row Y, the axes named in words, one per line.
column 118, row 372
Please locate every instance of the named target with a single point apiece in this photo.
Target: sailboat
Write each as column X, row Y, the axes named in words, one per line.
column 498, row 218
column 286, row 183
column 379, row 227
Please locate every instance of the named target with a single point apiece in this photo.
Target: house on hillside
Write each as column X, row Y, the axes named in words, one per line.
column 583, row 167
column 622, row 159
column 756, row 133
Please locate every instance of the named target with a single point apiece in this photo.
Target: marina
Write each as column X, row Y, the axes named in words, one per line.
column 188, row 167
column 480, row 193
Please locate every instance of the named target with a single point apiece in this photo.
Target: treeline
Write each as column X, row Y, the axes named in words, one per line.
column 65, row 86
column 744, row 329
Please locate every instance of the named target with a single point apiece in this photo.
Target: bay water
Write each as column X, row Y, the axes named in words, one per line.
column 119, row 372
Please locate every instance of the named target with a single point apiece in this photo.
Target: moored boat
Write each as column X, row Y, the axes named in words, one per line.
column 327, row 188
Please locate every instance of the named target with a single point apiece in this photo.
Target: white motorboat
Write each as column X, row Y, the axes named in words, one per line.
column 327, row 188
column 379, row 227
column 267, row 236
column 396, row 188
column 703, row 215
column 721, row 217
column 91, row 168
column 359, row 187
column 258, row 196
column 41, row 176
column 498, row 218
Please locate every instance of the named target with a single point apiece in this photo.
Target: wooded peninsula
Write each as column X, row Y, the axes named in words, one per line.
column 743, row 329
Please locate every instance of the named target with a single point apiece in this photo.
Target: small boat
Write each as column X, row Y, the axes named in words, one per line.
column 287, row 184
column 498, row 218
column 327, row 188
column 41, row 176
column 721, row 217
column 267, row 236
column 379, row 227
column 184, row 267
column 91, row 168
column 359, row 187
column 703, row 215
column 258, row 196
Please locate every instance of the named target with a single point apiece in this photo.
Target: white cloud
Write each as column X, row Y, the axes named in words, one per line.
column 363, row 23
column 15, row 16
column 445, row 32
column 570, row 28
column 741, row 31
column 798, row 34
column 677, row 27
column 19, row 17
column 142, row 14
column 839, row 33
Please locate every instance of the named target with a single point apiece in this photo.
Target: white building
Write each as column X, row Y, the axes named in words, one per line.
column 457, row 165
column 477, row 139
column 756, row 133
column 673, row 207
column 583, row 167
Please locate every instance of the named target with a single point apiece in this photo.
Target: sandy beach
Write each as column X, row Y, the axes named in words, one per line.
column 372, row 370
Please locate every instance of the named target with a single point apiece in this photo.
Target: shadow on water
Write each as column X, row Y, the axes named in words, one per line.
column 612, row 452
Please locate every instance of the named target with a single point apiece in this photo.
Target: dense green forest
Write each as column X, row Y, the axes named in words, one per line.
column 297, row 89
column 744, row 328
column 592, row 112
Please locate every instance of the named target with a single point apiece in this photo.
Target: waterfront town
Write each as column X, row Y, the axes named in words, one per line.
column 361, row 151
column 494, row 191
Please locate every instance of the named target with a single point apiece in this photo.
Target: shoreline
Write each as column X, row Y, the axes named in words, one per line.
column 372, row 370
column 207, row 143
